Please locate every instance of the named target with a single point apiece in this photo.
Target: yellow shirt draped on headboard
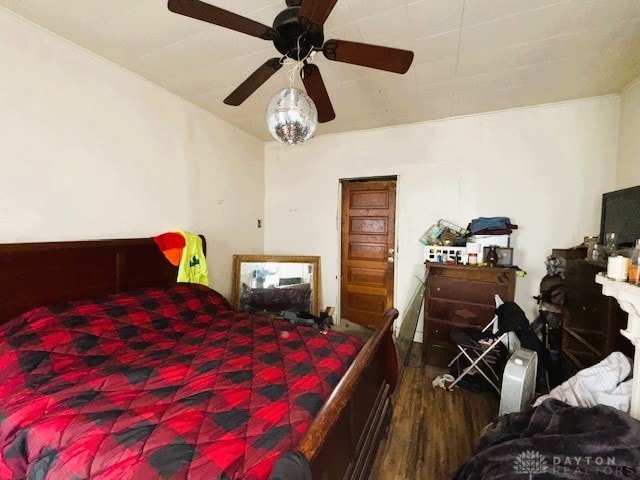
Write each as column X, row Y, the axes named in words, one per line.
column 193, row 264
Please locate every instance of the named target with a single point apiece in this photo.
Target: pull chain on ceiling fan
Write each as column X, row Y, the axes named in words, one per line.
column 297, row 32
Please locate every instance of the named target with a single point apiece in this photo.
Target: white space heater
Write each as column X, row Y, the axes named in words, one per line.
column 519, row 381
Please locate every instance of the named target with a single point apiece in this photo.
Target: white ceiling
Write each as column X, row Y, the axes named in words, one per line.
column 472, row 56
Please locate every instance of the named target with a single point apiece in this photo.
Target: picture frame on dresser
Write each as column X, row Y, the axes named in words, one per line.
column 505, row 255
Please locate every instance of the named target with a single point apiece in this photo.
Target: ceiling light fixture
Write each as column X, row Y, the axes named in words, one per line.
column 292, row 117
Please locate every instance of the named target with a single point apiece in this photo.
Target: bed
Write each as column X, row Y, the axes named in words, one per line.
column 152, row 341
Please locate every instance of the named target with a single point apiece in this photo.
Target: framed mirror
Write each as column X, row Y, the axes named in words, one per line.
column 269, row 285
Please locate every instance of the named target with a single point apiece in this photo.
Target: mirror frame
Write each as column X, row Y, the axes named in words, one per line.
column 238, row 260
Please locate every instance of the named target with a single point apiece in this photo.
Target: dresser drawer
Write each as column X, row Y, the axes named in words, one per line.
column 446, row 310
column 471, row 291
column 439, row 331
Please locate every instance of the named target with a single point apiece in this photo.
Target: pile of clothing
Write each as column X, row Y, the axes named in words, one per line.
column 323, row 322
column 185, row 251
column 491, row 226
column 606, row 383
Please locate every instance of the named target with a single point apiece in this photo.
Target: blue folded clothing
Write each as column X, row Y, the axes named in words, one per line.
column 490, row 223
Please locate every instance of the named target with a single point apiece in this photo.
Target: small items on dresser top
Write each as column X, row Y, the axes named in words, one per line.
column 485, row 241
column 473, row 250
column 618, row 268
column 610, row 244
column 634, row 265
column 622, row 268
column 620, row 261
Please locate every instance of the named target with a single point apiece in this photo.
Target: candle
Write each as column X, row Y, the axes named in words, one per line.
column 618, row 268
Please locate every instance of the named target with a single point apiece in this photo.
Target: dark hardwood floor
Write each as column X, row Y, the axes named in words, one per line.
column 432, row 431
column 352, row 328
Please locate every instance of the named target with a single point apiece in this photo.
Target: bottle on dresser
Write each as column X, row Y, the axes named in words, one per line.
column 634, row 266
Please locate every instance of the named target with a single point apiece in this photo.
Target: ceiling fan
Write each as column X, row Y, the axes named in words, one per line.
column 297, row 32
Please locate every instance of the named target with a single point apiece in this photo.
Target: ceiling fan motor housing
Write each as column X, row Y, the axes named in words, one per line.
column 298, row 36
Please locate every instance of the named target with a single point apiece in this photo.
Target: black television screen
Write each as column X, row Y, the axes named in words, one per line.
column 621, row 214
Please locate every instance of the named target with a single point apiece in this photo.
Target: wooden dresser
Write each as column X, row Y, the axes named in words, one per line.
column 592, row 321
column 459, row 296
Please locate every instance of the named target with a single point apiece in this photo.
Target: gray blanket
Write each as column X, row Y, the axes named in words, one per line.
column 556, row 440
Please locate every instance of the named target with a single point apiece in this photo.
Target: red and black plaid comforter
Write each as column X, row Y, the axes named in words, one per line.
column 161, row 383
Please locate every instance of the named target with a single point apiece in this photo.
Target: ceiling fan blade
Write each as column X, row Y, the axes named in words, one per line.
column 223, row 18
column 373, row 56
column 317, row 10
column 317, row 90
column 255, row 80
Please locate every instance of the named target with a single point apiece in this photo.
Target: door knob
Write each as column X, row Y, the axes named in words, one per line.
column 390, row 259
column 391, row 251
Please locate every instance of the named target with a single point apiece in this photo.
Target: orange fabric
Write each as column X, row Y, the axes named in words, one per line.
column 171, row 245
column 173, row 255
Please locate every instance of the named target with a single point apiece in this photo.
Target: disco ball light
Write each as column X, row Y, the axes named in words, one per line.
column 292, row 117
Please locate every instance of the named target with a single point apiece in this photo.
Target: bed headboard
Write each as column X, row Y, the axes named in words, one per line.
column 37, row 274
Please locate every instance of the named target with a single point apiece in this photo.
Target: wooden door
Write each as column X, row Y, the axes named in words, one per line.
column 368, row 250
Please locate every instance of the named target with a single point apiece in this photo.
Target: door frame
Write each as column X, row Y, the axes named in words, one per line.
column 376, row 178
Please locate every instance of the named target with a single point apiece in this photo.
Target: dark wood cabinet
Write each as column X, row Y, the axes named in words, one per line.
column 459, row 296
column 592, row 321
column 574, row 253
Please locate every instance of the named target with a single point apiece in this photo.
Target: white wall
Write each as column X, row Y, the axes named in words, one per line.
column 629, row 143
column 89, row 150
column 545, row 167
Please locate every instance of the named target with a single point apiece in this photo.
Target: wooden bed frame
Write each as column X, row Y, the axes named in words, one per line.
column 342, row 441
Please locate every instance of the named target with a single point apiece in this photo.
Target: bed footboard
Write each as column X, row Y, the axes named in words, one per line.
column 342, row 441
